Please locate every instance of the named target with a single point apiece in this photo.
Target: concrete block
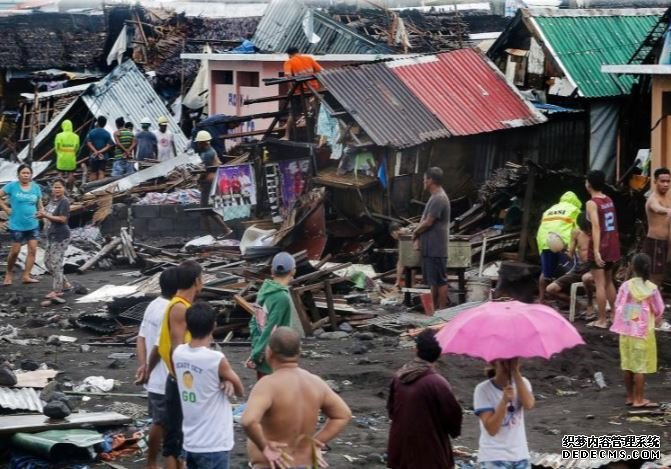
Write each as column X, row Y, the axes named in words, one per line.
column 146, row 211
column 170, row 211
column 163, row 226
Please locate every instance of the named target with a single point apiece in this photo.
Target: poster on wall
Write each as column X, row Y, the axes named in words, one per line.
column 234, row 191
column 294, row 175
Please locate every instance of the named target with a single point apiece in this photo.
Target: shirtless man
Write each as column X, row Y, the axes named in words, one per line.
column 283, row 410
column 578, row 249
column 658, row 212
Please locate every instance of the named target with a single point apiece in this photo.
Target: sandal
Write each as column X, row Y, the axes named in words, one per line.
column 594, row 324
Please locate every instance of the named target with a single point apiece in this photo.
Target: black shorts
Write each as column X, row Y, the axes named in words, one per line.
column 434, row 271
column 173, row 436
column 156, row 408
column 607, row 267
column 571, row 277
column 97, row 165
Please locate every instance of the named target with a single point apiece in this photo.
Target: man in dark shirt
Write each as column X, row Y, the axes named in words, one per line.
column 147, row 144
column 433, row 233
column 424, row 413
column 99, row 142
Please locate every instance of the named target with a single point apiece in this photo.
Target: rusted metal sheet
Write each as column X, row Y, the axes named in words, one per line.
column 20, row 399
column 467, row 93
column 383, row 105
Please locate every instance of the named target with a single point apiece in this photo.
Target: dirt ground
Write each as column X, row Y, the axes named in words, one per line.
column 363, row 379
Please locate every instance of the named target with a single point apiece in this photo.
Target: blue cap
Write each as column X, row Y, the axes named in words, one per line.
column 283, row 263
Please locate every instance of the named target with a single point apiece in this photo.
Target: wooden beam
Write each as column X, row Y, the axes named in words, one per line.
column 526, row 215
column 329, row 304
column 300, row 309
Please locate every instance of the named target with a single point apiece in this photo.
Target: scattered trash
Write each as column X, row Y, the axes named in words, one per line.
column 561, row 392
column 335, row 335
column 95, row 384
column 599, row 380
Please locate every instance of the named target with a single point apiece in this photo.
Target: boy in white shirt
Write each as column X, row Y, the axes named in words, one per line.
column 500, row 403
column 205, row 380
column 154, row 380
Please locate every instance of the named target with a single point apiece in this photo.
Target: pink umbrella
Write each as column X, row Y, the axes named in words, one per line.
column 508, row 329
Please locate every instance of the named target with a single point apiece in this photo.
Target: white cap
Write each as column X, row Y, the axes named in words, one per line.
column 145, row 121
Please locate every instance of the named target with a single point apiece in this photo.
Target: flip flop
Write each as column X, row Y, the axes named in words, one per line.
column 594, row 325
column 628, row 404
column 647, row 405
column 28, row 282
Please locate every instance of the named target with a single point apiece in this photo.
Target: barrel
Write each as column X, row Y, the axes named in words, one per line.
column 478, row 289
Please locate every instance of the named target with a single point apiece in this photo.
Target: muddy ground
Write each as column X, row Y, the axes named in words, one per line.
column 363, row 379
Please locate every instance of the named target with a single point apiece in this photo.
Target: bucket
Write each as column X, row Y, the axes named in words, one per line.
column 427, row 303
column 478, row 289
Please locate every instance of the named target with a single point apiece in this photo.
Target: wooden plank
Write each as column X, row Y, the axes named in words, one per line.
column 35, row 379
column 302, row 315
column 329, row 304
column 10, row 424
column 526, row 213
column 244, row 304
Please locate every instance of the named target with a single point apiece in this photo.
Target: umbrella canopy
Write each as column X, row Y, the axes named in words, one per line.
column 508, row 329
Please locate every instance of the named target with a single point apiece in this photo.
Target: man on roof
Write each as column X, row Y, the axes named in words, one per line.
column 299, row 65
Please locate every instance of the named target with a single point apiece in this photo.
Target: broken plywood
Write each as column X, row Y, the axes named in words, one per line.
column 35, row 379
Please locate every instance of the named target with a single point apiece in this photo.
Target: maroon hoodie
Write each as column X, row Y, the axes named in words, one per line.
column 424, row 414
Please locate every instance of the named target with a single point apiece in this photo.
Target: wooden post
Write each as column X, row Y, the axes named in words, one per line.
column 33, row 117
column 302, row 315
column 526, row 215
column 330, row 304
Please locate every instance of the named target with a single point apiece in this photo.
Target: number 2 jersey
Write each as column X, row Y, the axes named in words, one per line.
column 208, row 416
column 609, row 247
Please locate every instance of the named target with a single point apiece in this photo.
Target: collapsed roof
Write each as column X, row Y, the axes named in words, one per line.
column 405, row 102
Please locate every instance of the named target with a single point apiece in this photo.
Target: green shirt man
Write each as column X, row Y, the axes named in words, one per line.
column 274, row 309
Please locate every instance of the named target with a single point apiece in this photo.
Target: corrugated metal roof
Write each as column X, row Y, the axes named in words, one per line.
column 126, row 92
column 282, row 27
column 467, row 93
column 583, row 40
column 20, row 399
column 382, row 105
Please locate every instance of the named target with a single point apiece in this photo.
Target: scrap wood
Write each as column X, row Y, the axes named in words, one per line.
column 116, row 241
column 10, row 424
column 104, row 209
column 244, row 304
column 35, row 379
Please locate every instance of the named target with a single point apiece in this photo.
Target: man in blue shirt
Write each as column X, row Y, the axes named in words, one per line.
column 147, row 143
column 99, row 142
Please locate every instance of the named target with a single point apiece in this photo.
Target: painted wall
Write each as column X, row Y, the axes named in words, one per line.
column 661, row 137
column 227, row 98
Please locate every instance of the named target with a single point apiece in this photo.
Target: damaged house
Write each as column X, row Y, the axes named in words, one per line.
column 557, row 56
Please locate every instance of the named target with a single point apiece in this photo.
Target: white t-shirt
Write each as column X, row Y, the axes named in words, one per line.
column 164, row 143
column 510, row 443
column 150, row 329
column 208, row 416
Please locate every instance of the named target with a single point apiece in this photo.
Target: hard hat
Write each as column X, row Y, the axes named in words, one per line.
column 162, row 120
column 203, row 136
column 145, row 121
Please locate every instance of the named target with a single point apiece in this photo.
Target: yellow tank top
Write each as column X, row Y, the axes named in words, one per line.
column 164, row 341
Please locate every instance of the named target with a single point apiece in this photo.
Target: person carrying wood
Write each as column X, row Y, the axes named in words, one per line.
column 273, row 310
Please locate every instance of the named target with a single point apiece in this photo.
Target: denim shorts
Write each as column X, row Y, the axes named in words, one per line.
column 207, row 460
column 434, row 271
column 156, row 407
column 24, row 236
column 122, row 167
